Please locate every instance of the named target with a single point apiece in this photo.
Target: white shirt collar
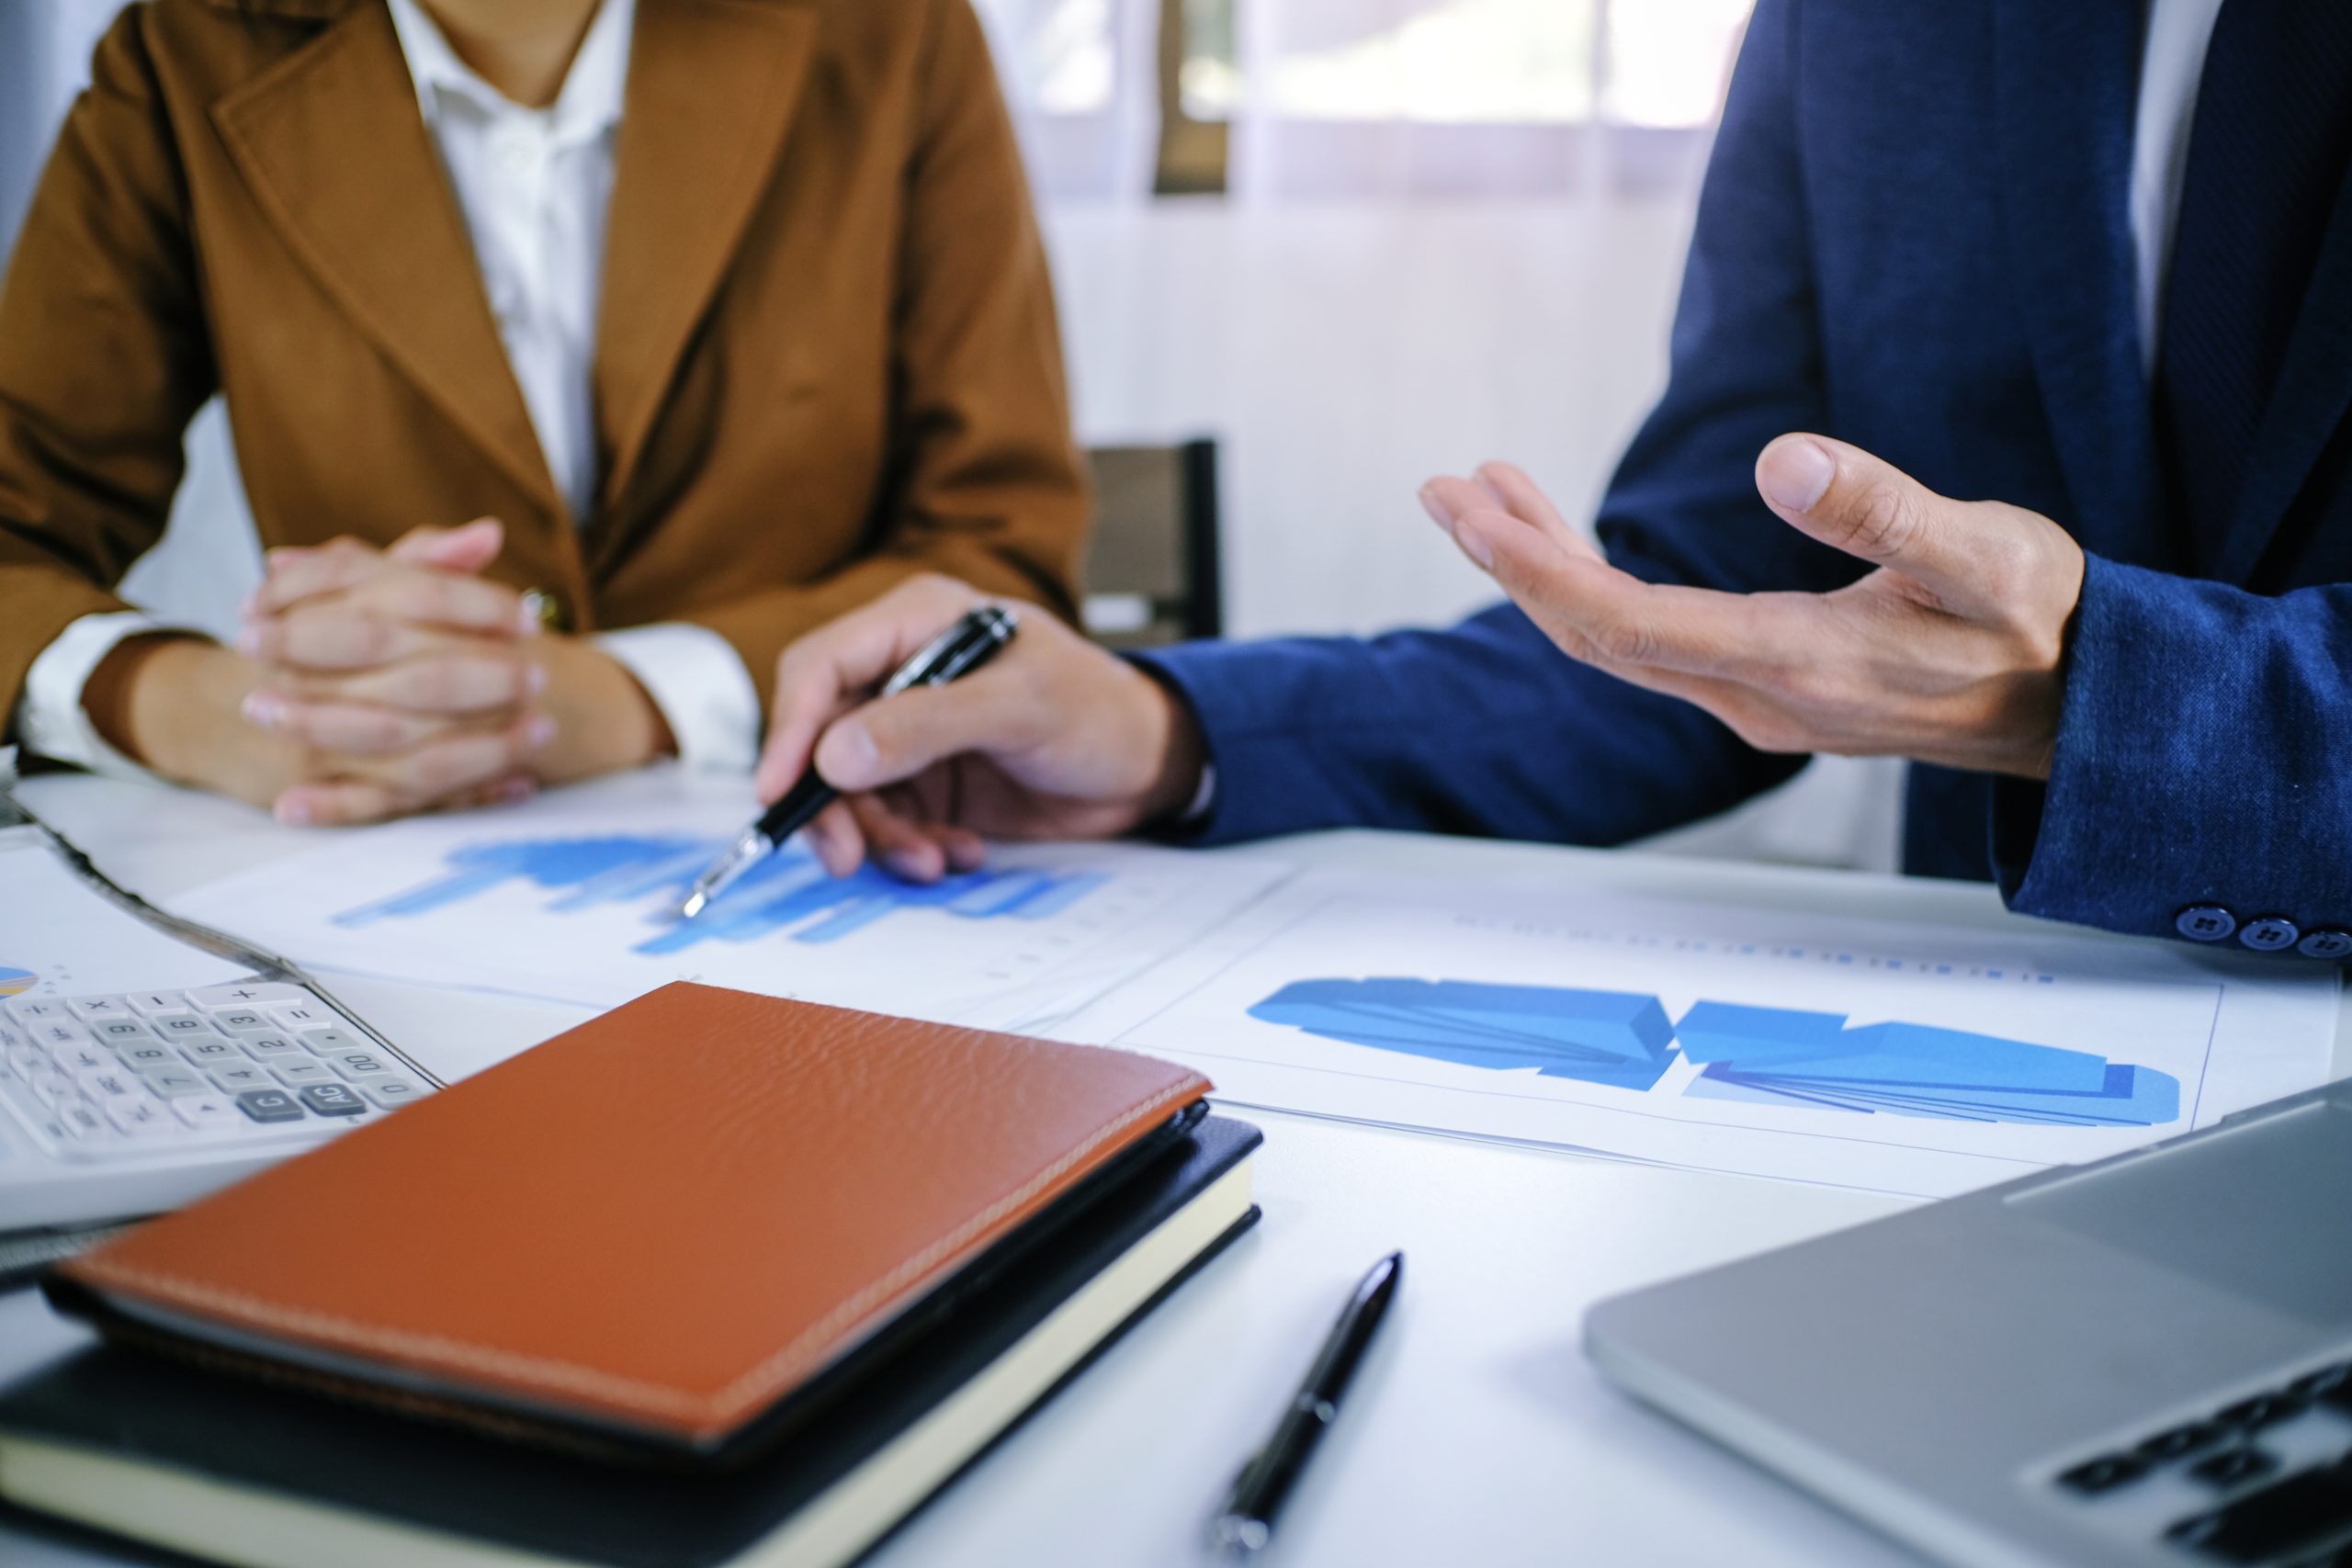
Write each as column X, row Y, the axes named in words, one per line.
column 589, row 104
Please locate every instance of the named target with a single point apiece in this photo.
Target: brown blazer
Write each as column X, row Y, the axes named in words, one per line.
column 826, row 356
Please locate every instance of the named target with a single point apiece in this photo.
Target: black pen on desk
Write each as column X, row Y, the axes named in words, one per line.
column 972, row 642
column 1245, row 1524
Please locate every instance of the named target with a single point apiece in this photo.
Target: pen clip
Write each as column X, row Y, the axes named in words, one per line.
column 937, row 661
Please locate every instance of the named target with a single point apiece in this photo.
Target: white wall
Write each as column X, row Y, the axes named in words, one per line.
column 1342, row 356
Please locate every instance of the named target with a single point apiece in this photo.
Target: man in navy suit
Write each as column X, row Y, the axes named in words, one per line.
column 2091, row 259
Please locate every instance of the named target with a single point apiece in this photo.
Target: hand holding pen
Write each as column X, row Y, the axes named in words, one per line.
column 976, row 638
column 1056, row 739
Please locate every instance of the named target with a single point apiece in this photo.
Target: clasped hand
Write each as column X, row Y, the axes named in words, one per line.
column 401, row 680
column 1950, row 652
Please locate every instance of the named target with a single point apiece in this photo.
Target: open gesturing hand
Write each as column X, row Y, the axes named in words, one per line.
column 1950, row 652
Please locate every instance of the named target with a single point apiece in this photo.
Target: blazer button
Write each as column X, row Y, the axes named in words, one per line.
column 2326, row 944
column 2269, row 933
column 555, row 617
column 2205, row 923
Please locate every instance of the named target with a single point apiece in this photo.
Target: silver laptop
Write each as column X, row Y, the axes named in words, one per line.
column 2147, row 1360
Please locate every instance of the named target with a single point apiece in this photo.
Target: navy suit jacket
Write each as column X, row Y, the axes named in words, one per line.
column 1913, row 236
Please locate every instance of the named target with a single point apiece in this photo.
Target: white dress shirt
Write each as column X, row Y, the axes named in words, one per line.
column 535, row 187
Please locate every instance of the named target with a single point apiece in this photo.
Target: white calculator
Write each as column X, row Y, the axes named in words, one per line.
column 145, row 1060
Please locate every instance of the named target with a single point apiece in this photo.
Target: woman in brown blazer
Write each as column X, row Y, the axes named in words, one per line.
column 730, row 314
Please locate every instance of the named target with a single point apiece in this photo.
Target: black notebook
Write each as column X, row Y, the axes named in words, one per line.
column 236, row 1472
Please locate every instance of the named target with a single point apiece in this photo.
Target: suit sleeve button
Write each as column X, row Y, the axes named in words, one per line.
column 2326, row 944
column 2205, row 923
column 2269, row 933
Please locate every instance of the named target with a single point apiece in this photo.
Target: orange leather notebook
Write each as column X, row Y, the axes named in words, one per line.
column 660, row 1225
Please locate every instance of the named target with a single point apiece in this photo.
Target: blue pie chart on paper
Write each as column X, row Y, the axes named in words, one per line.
column 15, row 982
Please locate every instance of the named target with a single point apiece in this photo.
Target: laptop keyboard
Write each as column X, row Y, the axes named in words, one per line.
column 2262, row 1480
column 110, row 1077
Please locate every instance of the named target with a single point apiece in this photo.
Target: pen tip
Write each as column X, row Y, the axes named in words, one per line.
column 691, row 907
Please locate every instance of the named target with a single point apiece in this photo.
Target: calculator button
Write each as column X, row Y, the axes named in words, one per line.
column 2326, row 1381
column 83, row 1059
column 31, row 1012
column 57, row 1036
column 359, row 1065
column 177, row 1083
column 141, row 1118
column 40, row 1119
column 246, row 994
column 2262, row 1410
column 2232, row 1466
column 391, row 1093
column 80, row 1119
column 110, row 1083
column 269, row 1105
column 331, row 1042
column 301, row 1070
column 303, row 1015
column 98, row 1010
column 122, row 1031
column 53, row 1087
column 241, row 1021
column 236, row 1079
column 152, row 1057
column 270, row 1047
column 332, row 1099
column 154, row 1002
column 181, row 1026
column 207, row 1112
column 213, row 1053
column 2106, row 1473
column 25, row 1061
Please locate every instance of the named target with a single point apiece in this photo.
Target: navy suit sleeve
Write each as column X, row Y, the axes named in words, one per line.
column 1488, row 728
column 2224, row 720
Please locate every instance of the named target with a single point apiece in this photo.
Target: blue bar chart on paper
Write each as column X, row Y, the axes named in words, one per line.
column 1913, row 1060
column 1770, row 1055
column 571, row 897
column 787, row 894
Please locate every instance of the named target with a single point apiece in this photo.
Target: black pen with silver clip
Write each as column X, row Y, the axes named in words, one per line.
column 963, row 648
column 1244, row 1524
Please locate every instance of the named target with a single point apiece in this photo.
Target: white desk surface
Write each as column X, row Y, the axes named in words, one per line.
column 1475, row 1434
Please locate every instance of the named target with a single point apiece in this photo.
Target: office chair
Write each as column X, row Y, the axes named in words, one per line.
column 1151, row 573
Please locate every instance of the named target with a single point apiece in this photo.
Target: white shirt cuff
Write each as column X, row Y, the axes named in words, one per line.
column 51, row 721
column 1204, row 800
column 698, row 680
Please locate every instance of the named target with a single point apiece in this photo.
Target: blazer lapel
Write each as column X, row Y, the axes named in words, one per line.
column 338, row 157
column 2064, row 90
column 2309, row 402
column 712, row 89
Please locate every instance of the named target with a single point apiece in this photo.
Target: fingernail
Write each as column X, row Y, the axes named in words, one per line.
column 515, row 790
column 538, row 732
column 526, row 615
column 1438, row 513
column 1796, row 473
column 903, row 865
column 248, row 641
column 1474, row 545
column 247, row 605
column 535, row 679
column 262, row 710
column 853, row 752
column 292, row 811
